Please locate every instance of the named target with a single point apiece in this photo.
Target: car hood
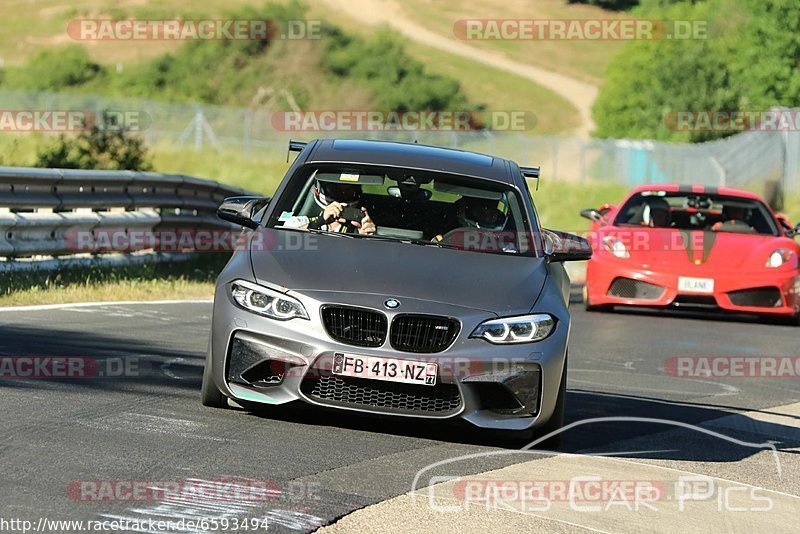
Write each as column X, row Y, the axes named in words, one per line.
column 298, row 261
column 717, row 251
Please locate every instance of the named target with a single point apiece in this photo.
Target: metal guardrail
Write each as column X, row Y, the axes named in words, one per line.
column 42, row 210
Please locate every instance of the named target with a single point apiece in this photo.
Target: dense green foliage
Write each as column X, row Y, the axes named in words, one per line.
column 399, row 83
column 107, row 148
column 54, row 69
column 749, row 61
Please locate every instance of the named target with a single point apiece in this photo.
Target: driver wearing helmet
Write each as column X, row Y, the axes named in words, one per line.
column 340, row 209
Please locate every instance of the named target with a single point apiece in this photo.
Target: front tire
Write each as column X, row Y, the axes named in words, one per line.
column 587, row 303
column 210, row 395
column 556, row 421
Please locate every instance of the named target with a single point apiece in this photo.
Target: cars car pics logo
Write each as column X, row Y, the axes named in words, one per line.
column 391, row 304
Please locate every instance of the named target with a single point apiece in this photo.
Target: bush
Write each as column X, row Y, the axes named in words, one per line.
column 96, row 148
column 399, row 82
column 212, row 72
column 54, row 69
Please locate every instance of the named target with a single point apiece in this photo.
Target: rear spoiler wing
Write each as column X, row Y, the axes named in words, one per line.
column 531, row 172
column 294, row 146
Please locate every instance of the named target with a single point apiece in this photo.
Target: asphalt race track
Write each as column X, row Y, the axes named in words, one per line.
column 148, row 424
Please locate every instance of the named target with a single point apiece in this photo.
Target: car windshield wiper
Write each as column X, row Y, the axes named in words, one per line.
column 316, row 231
column 434, row 244
column 407, row 240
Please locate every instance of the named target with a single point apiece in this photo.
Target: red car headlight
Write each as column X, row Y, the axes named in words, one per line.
column 616, row 247
column 781, row 257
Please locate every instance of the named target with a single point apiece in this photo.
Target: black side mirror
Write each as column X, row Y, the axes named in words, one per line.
column 240, row 210
column 591, row 214
column 795, row 230
column 563, row 246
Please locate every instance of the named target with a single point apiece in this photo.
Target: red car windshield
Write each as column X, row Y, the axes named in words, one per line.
column 705, row 212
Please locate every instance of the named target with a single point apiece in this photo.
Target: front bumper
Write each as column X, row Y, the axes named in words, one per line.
column 508, row 387
column 617, row 282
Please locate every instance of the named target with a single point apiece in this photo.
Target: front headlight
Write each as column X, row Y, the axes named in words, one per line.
column 616, row 247
column 781, row 257
column 522, row 329
column 267, row 302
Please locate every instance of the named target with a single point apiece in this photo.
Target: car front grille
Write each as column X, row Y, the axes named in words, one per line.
column 423, row 333
column 380, row 396
column 355, row 326
column 628, row 288
column 760, row 297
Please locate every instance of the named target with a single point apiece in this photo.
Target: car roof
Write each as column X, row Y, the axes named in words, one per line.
column 412, row 155
column 696, row 189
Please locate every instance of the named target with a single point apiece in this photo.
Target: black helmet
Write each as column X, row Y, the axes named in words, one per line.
column 327, row 192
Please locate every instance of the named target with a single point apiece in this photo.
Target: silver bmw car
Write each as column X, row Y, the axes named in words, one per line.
column 398, row 279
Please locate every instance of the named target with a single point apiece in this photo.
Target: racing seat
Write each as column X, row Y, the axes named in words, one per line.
column 656, row 213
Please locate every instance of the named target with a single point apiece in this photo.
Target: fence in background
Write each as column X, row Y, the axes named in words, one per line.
column 51, row 215
column 749, row 160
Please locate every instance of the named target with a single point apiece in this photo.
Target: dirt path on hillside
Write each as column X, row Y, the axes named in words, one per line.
column 579, row 93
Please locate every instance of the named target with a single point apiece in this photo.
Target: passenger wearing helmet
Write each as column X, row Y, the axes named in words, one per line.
column 340, row 209
column 480, row 213
column 473, row 213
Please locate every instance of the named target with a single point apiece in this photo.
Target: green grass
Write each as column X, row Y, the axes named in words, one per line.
column 178, row 280
column 502, row 91
column 260, row 172
column 559, row 203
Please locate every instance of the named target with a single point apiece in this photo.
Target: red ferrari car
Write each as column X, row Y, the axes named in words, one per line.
column 692, row 246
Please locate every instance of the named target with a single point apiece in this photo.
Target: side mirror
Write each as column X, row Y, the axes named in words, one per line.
column 783, row 220
column 598, row 215
column 240, row 210
column 563, row 246
column 591, row 214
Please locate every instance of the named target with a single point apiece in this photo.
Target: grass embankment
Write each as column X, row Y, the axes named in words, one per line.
column 192, row 279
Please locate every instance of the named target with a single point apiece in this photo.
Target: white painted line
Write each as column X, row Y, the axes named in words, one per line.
column 69, row 305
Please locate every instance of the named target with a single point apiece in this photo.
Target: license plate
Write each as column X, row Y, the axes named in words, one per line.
column 696, row 285
column 388, row 369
